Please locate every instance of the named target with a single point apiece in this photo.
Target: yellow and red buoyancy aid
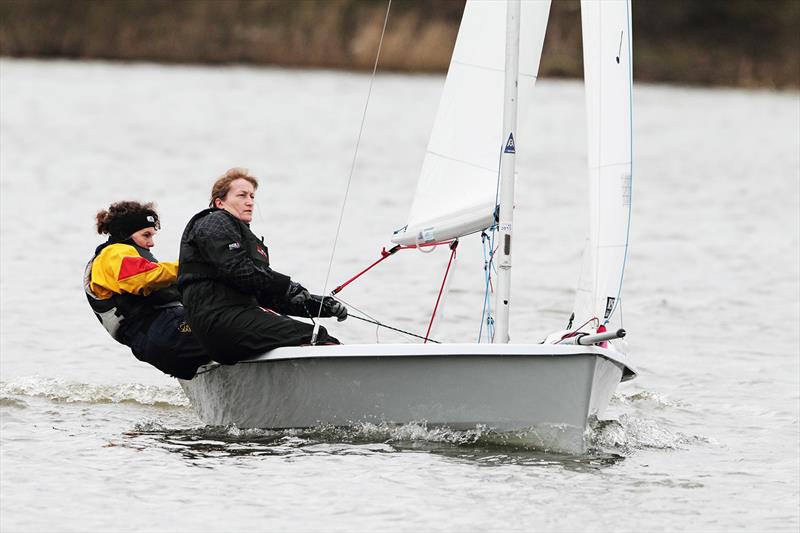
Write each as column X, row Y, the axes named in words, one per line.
column 124, row 283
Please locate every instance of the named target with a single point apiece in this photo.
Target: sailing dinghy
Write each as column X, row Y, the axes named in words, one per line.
column 541, row 395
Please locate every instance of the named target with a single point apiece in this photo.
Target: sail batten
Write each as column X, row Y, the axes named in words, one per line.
column 493, row 69
column 443, row 156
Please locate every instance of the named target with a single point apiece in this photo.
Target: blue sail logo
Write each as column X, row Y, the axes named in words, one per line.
column 510, row 145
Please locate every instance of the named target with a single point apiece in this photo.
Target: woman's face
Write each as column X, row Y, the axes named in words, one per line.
column 239, row 201
column 144, row 237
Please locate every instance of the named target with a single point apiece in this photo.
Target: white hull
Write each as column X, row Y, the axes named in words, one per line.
column 541, row 395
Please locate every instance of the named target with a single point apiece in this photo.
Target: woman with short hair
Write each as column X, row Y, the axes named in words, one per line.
column 236, row 303
column 134, row 295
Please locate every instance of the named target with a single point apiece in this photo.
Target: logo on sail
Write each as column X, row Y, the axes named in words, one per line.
column 510, row 145
column 626, row 189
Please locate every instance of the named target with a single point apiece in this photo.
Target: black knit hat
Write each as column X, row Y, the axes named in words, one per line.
column 123, row 226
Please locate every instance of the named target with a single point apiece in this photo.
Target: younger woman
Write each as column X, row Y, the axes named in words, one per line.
column 134, row 296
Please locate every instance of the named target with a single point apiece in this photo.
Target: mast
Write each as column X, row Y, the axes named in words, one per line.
column 507, row 165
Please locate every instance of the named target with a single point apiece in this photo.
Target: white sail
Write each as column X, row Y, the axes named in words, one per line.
column 458, row 182
column 607, row 59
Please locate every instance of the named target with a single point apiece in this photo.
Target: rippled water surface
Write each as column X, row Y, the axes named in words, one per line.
column 707, row 438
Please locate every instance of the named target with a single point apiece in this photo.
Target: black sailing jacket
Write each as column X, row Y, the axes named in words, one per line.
column 224, row 277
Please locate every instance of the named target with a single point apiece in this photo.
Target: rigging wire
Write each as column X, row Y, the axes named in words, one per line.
column 486, row 314
column 487, row 305
column 352, row 167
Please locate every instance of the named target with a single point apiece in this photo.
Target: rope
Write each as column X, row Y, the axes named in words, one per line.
column 353, row 165
column 578, row 329
column 350, row 307
column 394, row 329
column 372, row 320
column 384, row 254
column 441, row 289
column 369, row 320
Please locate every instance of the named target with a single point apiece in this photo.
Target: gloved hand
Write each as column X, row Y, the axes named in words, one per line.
column 296, row 293
column 335, row 308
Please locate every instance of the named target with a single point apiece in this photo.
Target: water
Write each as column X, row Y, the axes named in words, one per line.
column 706, row 439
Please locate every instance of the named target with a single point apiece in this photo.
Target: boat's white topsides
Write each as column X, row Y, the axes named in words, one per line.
column 544, row 395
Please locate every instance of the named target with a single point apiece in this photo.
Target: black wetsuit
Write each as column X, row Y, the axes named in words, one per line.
column 236, row 304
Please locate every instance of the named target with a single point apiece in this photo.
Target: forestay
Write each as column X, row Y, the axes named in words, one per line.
column 607, row 51
column 456, row 192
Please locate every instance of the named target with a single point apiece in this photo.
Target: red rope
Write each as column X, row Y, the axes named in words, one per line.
column 384, row 254
column 577, row 330
column 453, row 247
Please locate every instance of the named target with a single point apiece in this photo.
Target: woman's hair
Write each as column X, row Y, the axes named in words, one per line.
column 223, row 184
column 109, row 219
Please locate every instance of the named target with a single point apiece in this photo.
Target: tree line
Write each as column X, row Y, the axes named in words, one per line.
column 751, row 43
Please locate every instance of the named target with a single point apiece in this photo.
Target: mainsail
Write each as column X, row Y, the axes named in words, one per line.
column 607, row 60
column 456, row 192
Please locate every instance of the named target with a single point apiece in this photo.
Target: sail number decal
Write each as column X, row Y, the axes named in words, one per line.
column 609, row 306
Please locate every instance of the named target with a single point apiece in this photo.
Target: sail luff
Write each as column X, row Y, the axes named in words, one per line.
column 607, row 47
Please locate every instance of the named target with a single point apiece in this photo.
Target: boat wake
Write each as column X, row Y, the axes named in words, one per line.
column 202, row 445
column 610, row 441
column 62, row 391
column 639, row 428
column 629, row 434
column 646, row 400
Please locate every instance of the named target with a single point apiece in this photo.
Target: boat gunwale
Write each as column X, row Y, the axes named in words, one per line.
column 288, row 353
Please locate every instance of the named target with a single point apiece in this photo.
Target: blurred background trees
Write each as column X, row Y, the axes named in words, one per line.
column 750, row 43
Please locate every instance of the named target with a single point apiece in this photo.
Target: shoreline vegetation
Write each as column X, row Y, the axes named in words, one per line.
column 735, row 43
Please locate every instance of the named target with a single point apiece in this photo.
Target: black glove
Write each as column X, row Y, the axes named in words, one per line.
column 334, row 308
column 296, row 293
